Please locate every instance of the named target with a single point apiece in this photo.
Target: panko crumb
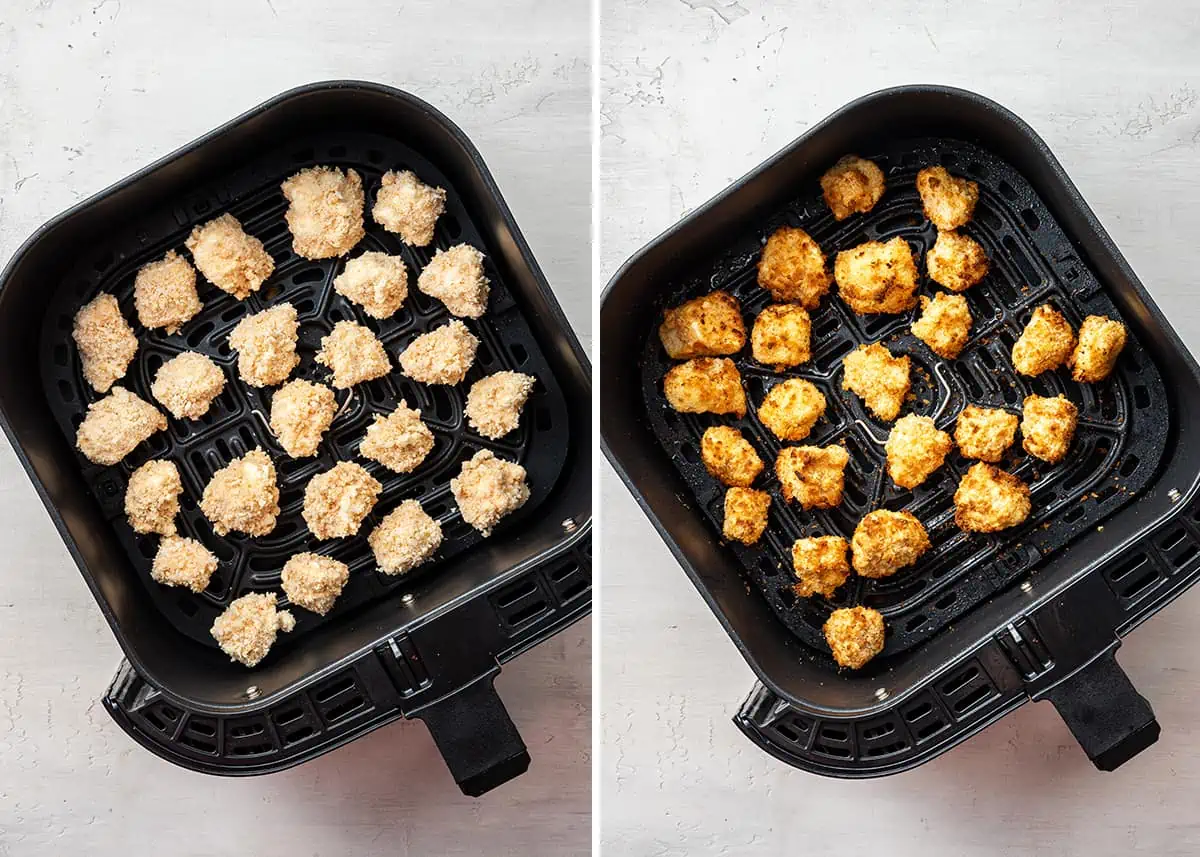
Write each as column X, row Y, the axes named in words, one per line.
column 1045, row 344
column 792, row 268
column 376, row 282
column 266, row 345
column 746, row 513
column 944, row 325
column 242, row 496
column 956, row 261
column 877, row 277
column 457, row 279
column 985, row 433
column 813, row 476
column 442, row 356
column 705, row 385
column 152, row 497
column 1100, row 342
column 782, row 336
column 301, row 413
column 791, row 408
column 729, row 457
column 164, row 293
column 337, row 501
column 488, row 488
column 878, row 378
column 325, row 211
column 820, row 565
column 494, row 403
column 399, row 441
column 708, row 326
column 105, row 341
column 187, row 384
column 988, row 500
column 852, row 186
column 915, row 449
column 353, row 354
column 1048, row 426
column 885, row 542
column 409, row 207
column 183, row 562
column 313, row 581
column 229, row 258
column 949, row 201
column 405, row 538
column 248, row 627
column 115, row 425
column 855, row 635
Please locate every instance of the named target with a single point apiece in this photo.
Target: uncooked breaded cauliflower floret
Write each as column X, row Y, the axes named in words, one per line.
column 746, row 513
column 852, row 185
column 488, row 488
column 1100, row 342
column 183, row 562
column 152, row 497
column 820, row 565
column 105, row 341
column 399, row 441
column 878, row 378
column 885, row 542
column 248, row 627
column 956, row 261
column 855, row 635
column 164, row 293
column 705, row 385
column 985, row 433
column 457, row 279
column 325, row 211
column 1048, row 426
column 405, row 538
column 409, row 207
column 187, row 384
column 230, row 259
column 792, row 268
column 242, row 496
column 988, row 500
column 266, row 345
column 337, row 501
column 301, row 413
column 115, row 425
column 813, row 476
column 791, row 408
column 353, row 354
column 313, row 581
column 442, row 356
column 877, row 277
column 729, row 457
column 376, row 282
column 949, row 201
column 708, row 326
column 915, row 449
column 494, row 403
column 1045, row 344
column 781, row 336
column 944, row 325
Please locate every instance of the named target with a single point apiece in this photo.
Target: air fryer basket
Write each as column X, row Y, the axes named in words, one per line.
column 983, row 623
column 426, row 644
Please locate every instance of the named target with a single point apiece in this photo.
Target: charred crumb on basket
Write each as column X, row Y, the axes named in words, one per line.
column 115, row 425
column 746, row 512
column 885, row 542
column 249, row 626
column 781, row 336
column 1048, row 426
column 956, row 261
column 442, row 356
column 164, row 293
column 337, row 501
column 494, row 403
column 1100, row 343
column 325, row 211
column 405, row 538
column 183, row 562
column 877, row 277
column 813, row 476
column 313, row 581
column 880, row 379
column 399, row 441
column 243, row 496
column 152, row 497
column 353, row 354
column 852, row 186
column 949, row 201
column 989, row 500
column 791, row 408
column 915, row 449
column 855, row 635
column 1045, row 344
column 105, row 341
column 187, row 384
column 820, row 565
column 705, row 385
column 265, row 343
column 729, row 457
column 456, row 278
column 708, row 326
column 376, row 282
column 944, row 325
column 792, row 268
column 409, row 207
column 487, row 489
column 301, row 413
column 229, row 258
column 985, row 433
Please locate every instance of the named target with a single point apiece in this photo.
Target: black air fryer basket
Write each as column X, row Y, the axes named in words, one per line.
column 428, row 644
column 982, row 623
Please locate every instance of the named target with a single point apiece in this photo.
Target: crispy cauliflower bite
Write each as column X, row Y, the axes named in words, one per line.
column 243, row 496
column 248, row 627
column 313, row 581
column 105, row 341
column 855, row 635
column 746, row 513
column 228, row 258
column 1100, row 342
column 457, row 279
column 949, row 201
column 487, row 489
column 885, row 542
column 708, row 326
column 337, row 501
column 409, row 207
column 405, row 538
column 729, row 457
column 301, row 413
column 792, row 268
column 494, row 403
column 115, row 425
column 325, row 211
column 956, row 261
column 152, row 497
column 820, row 565
column 183, row 562
column 1048, row 426
column 944, row 325
column 791, row 408
column 442, row 356
column 813, row 476
column 1045, row 344
column 985, row 433
column 187, row 384
column 781, row 336
column 877, row 277
column 915, row 449
column 705, row 385
column 878, row 378
column 164, row 293
column 376, row 282
column 852, row 185
column 266, row 345
column 353, row 354
column 399, row 441
column 989, row 500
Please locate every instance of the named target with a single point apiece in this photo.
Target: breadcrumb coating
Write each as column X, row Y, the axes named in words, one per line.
column 313, row 581
column 852, row 186
column 405, row 538
column 301, row 413
column 1045, row 344
column 729, row 457
column 353, row 354
column 442, row 356
column 813, row 476
column 488, row 488
column 820, row 565
column 187, row 384
column 985, row 433
column 337, row 501
column 399, row 441
column 746, row 513
column 376, row 282
column 885, row 542
column 781, row 336
column 705, row 385
column 792, row 268
column 1100, row 342
column 229, row 258
column 183, row 562
column 989, row 500
column 248, row 627
column 915, row 449
column 878, row 378
column 944, row 325
column 949, row 201
column 152, row 497
column 164, row 293
column 956, row 261
column 457, row 279
column 105, row 341
column 409, row 207
column 325, row 211
column 266, row 345
column 494, row 403
column 243, row 496
column 115, row 425
column 708, row 326
column 791, row 408
column 855, row 635
column 877, row 277
column 1048, row 426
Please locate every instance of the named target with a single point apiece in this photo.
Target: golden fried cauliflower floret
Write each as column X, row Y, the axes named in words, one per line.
column 989, row 499
column 105, row 340
column 248, row 627
column 152, row 497
column 376, row 282
column 705, row 385
column 230, row 259
column 442, row 356
column 164, row 293
column 1048, row 426
column 1045, row 344
column 729, row 457
column 746, row 514
column 944, row 325
column 1100, row 342
column 878, row 378
column 877, row 277
column 405, row 538
column 337, row 501
column 781, row 336
column 792, row 268
column 956, row 261
column 708, row 326
column 852, row 185
column 915, row 449
column 488, row 488
column 820, row 565
column 325, row 211
column 813, row 476
column 187, row 384
column 985, row 433
column 399, row 441
column 266, row 345
column 885, row 542
column 313, row 581
column 353, row 354
column 949, row 201
column 115, row 425
column 183, row 562
column 409, row 207
column 242, row 496
column 855, row 635
column 494, row 403
column 457, row 279
column 301, row 413
column 790, row 409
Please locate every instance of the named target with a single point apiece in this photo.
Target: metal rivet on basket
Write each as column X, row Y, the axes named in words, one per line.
column 569, row 525
column 1026, row 586
column 1174, row 495
column 407, row 598
column 881, row 694
column 253, row 692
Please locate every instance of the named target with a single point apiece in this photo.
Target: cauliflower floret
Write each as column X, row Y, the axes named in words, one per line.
column 813, row 476
column 442, row 356
column 266, row 345
column 325, row 211
column 988, row 500
column 152, row 497
column 1045, row 344
column 705, row 385
column 1100, row 342
column 1048, row 426
column 457, row 279
column 885, row 542
column 230, row 259
column 405, row 538
column 187, row 384
column 781, row 336
column 105, row 341
column 487, row 489
column 729, row 457
column 353, row 354
column 944, row 325
column 494, row 403
column 376, row 282
column 877, row 277
column 985, row 433
column 409, row 207
column 791, row 408
column 248, row 627
column 164, row 293
column 915, row 449
column 707, row 326
column 242, row 496
column 792, row 268
column 745, row 514
column 313, row 581
column 301, row 413
column 855, row 635
column 183, row 562
column 820, row 565
column 949, row 201
column 852, row 185
column 956, row 261
column 878, row 378
column 399, row 441
column 337, row 501
column 115, row 425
